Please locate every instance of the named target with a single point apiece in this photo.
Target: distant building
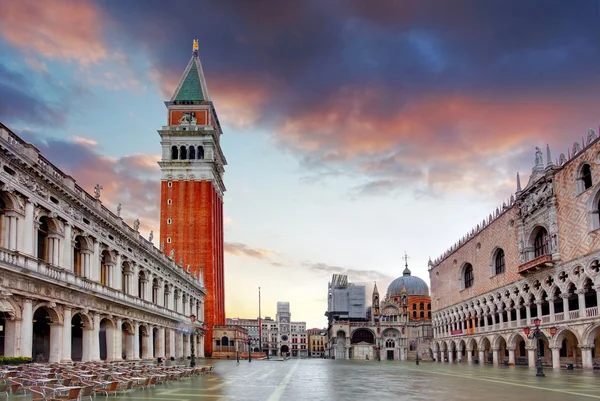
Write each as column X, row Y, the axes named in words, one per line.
column 317, row 341
column 345, row 301
column 251, row 326
column 398, row 328
column 230, row 342
column 282, row 336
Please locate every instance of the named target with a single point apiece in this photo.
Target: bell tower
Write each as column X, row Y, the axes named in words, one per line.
column 375, row 304
column 191, row 204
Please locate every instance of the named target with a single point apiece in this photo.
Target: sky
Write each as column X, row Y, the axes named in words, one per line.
column 354, row 131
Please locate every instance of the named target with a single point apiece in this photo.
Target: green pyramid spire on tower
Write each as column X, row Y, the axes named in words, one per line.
column 192, row 85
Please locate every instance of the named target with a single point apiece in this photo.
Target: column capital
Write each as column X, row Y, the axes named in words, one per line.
column 553, row 347
column 511, row 348
column 565, row 296
column 531, row 348
column 495, row 349
column 587, row 346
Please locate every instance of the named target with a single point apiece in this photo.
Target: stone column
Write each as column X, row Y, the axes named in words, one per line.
column 11, row 333
column 565, row 298
column 528, row 314
column 459, row 356
column 136, row 341
column 470, row 355
column 54, row 250
column 131, row 345
column 436, row 356
column 66, row 335
column 597, row 295
column 450, row 356
column 150, row 342
column 26, row 344
column 551, row 304
column 87, row 344
column 581, row 298
column 119, row 340
column 186, row 347
column 56, row 342
column 518, row 316
column 160, row 352
column 28, row 230
column 95, row 341
column 481, row 357
column 495, row 356
column 531, row 356
column 10, row 231
column 95, row 265
column 555, row 357
column 179, row 354
column 538, row 304
column 67, row 254
column 586, row 356
column 117, row 283
column 200, row 350
column 172, row 336
column 511, row 356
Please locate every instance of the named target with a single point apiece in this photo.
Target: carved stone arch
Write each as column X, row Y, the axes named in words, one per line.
column 452, row 345
column 496, row 340
column 436, row 346
column 470, row 342
column 352, row 331
column 12, row 202
column 481, row 342
column 576, row 274
column 589, row 334
column 556, row 340
column 55, row 311
column 86, row 319
column 511, row 342
column 11, row 307
column 144, row 331
column 110, row 319
column 128, row 327
column 86, row 242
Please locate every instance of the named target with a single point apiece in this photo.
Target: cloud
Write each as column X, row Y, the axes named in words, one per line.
column 69, row 30
column 132, row 180
column 354, row 275
column 239, row 249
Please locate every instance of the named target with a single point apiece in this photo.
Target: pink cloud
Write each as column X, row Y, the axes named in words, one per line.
column 68, row 30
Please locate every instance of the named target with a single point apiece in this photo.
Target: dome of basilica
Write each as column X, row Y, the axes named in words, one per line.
column 412, row 285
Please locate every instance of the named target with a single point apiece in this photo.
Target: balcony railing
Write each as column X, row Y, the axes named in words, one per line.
column 24, row 264
column 534, row 264
column 591, row 312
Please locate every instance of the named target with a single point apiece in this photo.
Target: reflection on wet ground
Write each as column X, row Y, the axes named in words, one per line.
column 363, row 380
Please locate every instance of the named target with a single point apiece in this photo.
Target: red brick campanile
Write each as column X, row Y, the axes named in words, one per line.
column 191, row 204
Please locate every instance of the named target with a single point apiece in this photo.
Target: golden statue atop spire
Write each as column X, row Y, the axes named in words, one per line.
column 195, row 45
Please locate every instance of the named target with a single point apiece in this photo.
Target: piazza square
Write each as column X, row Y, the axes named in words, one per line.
column 397, row 200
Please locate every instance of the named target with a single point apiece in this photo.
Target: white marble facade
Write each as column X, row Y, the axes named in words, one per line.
column 78, row 283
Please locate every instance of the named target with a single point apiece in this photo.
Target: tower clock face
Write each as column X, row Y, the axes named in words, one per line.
column 284, row 337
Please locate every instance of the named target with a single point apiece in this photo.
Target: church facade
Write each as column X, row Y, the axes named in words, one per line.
column 532, row 262
column 77, row 283
column 191, row 208
column 397, row 327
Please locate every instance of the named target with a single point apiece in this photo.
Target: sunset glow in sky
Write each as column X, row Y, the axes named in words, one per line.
column 354, row 130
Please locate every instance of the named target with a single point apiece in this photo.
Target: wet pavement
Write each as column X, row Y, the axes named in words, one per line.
column 364, row 380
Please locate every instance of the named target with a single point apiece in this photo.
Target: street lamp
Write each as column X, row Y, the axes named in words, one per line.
column 193, row 357
column 249, row 350
column 536, row 333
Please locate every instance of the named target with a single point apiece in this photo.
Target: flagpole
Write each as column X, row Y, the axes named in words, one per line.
column 259, row 324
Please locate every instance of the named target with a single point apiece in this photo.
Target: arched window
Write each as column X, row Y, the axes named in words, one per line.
column 540, row 244
column 225, row 341
column 414, row 314
column 422, row 306
column 141, row 284
column 200, row 152
column 42, row 237
column 585, row 176
column 124, row 280
column 422, row 314
column 468, row 276
column 155, row 288
column 166, row 293
column 390, row 344
column 174, row 153
column 182, row 153
column 414, row 307
column 192, row 153
column 499, row 262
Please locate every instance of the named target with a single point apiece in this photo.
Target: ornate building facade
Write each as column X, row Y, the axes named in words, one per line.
column 395, row 328
column 282, row 336
column 76, row 281
column 536, row 257
column 192, row 166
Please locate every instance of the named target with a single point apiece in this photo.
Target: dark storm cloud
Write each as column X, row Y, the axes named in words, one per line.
column 19, row 102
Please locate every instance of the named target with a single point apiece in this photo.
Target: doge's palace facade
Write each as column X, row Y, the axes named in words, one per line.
column 77, row 282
